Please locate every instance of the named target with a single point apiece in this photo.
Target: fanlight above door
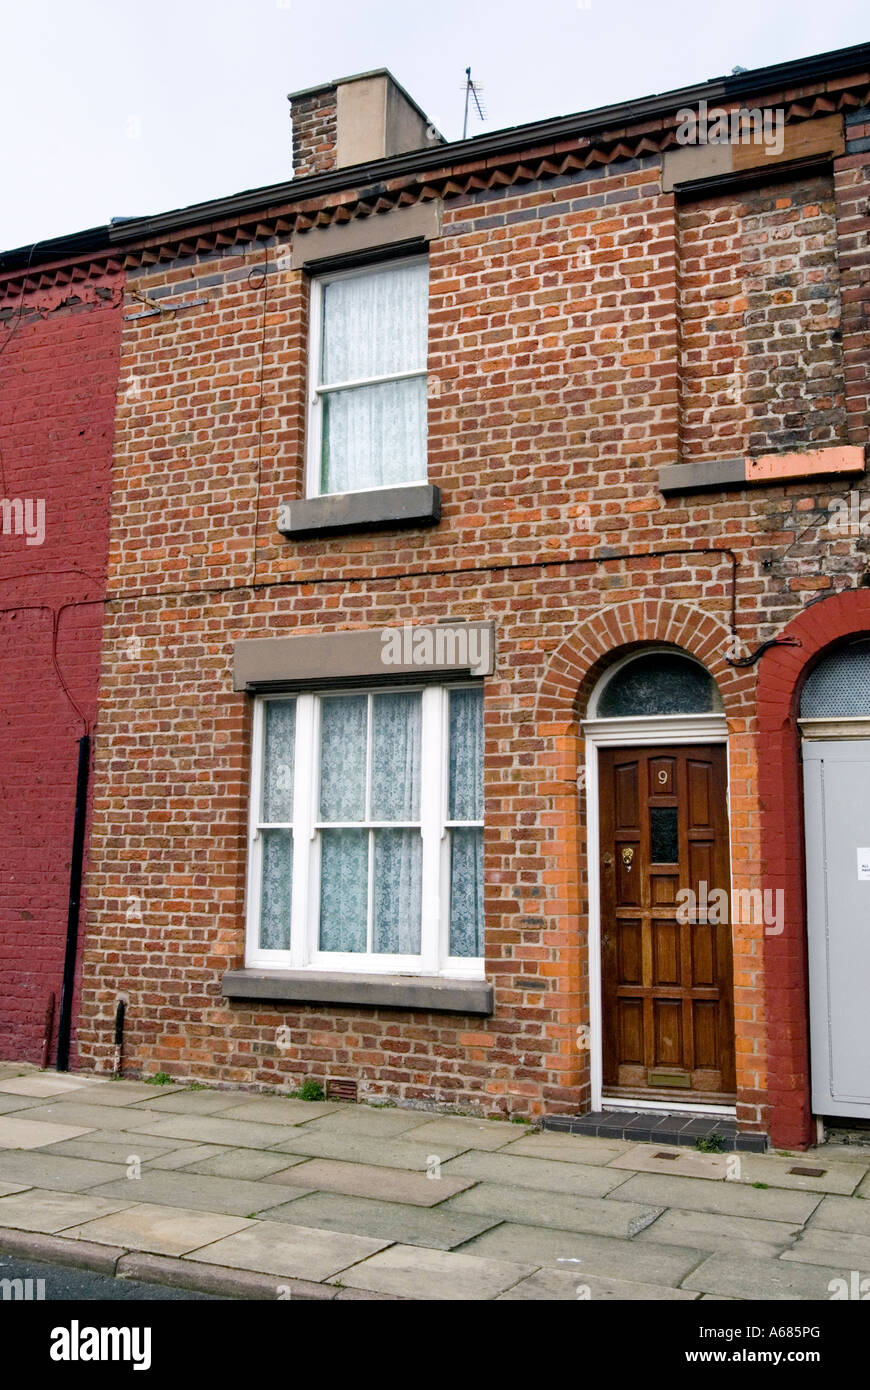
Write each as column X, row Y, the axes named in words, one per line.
column 657, row 683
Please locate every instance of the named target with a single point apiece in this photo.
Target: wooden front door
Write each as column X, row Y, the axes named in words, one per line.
column 666, row 968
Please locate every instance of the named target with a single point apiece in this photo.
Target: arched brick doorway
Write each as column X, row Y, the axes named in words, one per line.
column 783, row 671
column 566, row 684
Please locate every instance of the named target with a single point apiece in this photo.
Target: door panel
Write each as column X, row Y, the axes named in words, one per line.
column 667, row 990
column 837, row 828
column 626, row 804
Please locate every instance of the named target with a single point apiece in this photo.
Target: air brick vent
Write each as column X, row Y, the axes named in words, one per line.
column 338, row 1088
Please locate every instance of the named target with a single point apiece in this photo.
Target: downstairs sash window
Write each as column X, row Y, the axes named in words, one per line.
column 366, row 831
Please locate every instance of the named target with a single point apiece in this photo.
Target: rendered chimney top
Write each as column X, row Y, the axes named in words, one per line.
column 354, row 120
column 363, row 77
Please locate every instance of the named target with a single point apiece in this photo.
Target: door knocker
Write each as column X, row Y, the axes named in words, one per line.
column 627, row 855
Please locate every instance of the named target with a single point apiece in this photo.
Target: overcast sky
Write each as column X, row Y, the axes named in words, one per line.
column 113, row 108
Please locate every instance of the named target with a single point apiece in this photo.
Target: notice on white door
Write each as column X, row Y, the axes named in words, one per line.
column 863, row 865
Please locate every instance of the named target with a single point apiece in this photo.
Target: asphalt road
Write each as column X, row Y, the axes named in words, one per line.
column 65, row 1282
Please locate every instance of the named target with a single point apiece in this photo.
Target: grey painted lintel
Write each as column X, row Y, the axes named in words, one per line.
column 371, row 655
column 420, row 223
column 701, row 477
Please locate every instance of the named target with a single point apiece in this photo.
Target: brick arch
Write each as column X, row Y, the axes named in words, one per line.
column 578, row 662
column 567, row 680
column 783, row 670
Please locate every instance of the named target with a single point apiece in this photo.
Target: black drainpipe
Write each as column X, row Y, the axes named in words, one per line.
column 64, row 1027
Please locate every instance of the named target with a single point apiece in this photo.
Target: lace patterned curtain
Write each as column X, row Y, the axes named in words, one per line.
column 387, row 790
column 276, row 881
column 374, row 325
column 466, row 804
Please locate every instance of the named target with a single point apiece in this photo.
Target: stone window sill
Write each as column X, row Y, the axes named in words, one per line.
column 722, row 474
column 418, row 504
column 423, row 992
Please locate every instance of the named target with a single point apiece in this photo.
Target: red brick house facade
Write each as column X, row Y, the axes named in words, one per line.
column 60, row 333
column 643, row 378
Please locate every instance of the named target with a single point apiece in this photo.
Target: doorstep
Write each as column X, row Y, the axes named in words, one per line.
column 643, row 1127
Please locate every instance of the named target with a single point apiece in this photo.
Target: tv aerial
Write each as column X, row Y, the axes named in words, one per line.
column 472, row 89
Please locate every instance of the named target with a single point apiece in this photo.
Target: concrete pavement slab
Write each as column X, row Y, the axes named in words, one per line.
column 275, row 1247
column 210, row 1129
column 818, row 1246
column 617, row 1259
column 159, row 1230
column 839, row 1178
column 568, row 1148
column 70, row 1112
column 532, row 1207
column 10, row 1104
column 551, row 1285
column 179, row 1102
column 42, row 1210
column 550, row 1175
column 361, row 1180
column 250, row 1164
column 19, row 1133
column 676, row 1162
column 375, row 1122
column 709, row 1231
column 123, row 1092
column 727, row 1198
column 412, row 1272
column 459, row 1133
column 38, row 1169
column 7, row 1188
column 280, row 1110
column 819, row 1153
column 392, row 1151
column 49, row 1083
column 185, row 1154
column 408, row 1225
column 745, row 1277
column 842, row 1214
column 196, row 1191
column 109, row 1146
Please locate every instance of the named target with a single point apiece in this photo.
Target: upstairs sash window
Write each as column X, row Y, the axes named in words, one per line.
column 367, row 426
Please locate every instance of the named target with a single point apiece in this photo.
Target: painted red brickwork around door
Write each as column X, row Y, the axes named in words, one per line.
column 784, row 669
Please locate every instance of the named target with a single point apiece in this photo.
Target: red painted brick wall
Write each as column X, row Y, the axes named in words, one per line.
column 58, row 372
column 818, row 629
column 570, row 357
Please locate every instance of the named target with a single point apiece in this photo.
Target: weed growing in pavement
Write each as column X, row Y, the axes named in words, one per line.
column 309, row 1090
column 710, row 1144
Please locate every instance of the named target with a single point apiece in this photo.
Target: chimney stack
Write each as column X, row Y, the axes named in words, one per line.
column 354, row 120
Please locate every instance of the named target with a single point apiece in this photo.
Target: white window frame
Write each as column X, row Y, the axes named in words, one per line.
column 435, row 828
column 316, row 391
